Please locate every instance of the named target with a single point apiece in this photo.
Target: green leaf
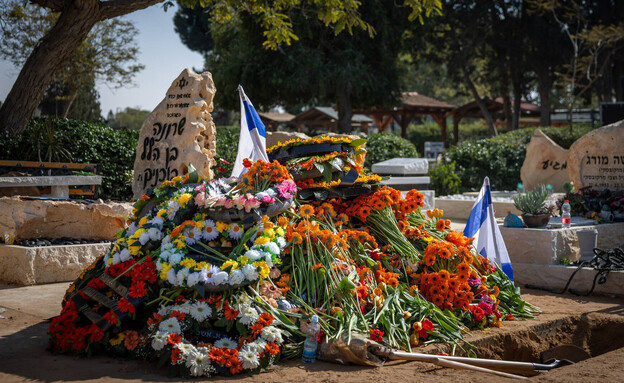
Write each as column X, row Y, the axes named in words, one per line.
column 193, row 175
column 358, row 142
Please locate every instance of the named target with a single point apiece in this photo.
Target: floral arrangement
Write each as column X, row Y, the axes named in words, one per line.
column 206, row 296
column 590, row 203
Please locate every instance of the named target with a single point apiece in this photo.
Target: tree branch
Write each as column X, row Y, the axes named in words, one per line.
column 54, row 5
column 114, row 8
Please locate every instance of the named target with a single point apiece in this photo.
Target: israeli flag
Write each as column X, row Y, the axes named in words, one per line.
column 252, row 142
column 487, row 237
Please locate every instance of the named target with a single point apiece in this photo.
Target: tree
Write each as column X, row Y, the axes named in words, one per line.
column 108, row 53
column 130, row 118
column 320, row 67
column 85, row 107
column 77, row 18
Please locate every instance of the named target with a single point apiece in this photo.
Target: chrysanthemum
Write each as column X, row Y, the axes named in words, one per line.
column 226, row 342
column 170, row 326
column 248, row 316
column 272, row 334
column 200, row 311
column 159, row 340
column 251, row 272
column 249, row 357
column 253, row 255
column 236, row 277
column 235, row 231
column 210, row 230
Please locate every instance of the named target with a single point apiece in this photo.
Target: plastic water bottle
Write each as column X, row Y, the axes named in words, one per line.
column 311, row 342
column 565, row 214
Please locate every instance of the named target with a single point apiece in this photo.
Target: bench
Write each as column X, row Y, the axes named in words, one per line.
column 53, row 178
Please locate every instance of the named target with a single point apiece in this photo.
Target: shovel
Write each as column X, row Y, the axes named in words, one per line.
column 522, row 368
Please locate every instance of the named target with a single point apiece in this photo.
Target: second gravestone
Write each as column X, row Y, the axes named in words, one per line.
column 179, row 132
column 597, row 159
column 545, row 163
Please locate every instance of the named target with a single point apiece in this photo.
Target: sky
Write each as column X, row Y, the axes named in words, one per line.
column 161, row 51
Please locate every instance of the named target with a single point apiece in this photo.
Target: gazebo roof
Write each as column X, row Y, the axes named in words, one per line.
column 324, row 113
column 414, row 100
column 495, row 106
column 277, row 117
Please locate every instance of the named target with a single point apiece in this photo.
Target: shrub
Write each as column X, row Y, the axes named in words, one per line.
column 418, row 134
column 501, row 157
column 444, row 179
column 227, row 147
column 384, row 146
column 86, row 142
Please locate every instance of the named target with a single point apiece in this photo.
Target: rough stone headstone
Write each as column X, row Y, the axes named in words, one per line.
column 597, row 159
column 179, row 132
column 402, row 166
column 545, row 163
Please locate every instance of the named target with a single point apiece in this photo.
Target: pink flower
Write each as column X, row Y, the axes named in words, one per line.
column 286, row 188
column 199, row 199
column 239, row 202
column 229, row 203
column 221, row 201
column 268, row 199
column 251, row 203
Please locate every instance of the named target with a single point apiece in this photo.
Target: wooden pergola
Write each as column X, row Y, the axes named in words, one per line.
column 326, row 118
column 272, row 120
column 412, row 105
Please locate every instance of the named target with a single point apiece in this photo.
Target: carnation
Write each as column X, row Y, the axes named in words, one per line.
column 236, row 277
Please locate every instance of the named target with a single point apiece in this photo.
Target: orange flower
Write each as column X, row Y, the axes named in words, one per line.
column 272, row 348
column 266, row 319
column 282, row 221
column 174, row 339
column 246, row 163
column 256, row 329
column 229, row 313
column 306, row 211
column 437, row 300
column 393, row 282
column 440, row 224
column 444, row 275
column 463, row 268
column 176, row 355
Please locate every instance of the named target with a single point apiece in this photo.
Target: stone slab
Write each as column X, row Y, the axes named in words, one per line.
column 597, row 159
column 549, row 246
column 402, row 166
column 460, row 209
column 50, row 181
column 555, row 277
column 274, row 138
column 36, row 265
column 545, row 163
column 26, row 219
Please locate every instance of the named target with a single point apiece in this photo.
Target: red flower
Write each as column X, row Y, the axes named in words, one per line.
column 125, row 306
column 266, row 319
column 247, row 163
column 221, row 170
column 376, row 335
column 95, row 283
column 179, row 315
column 477, row 312
column 174, row 339
column 176, row 355
column 111, row 317
column 426, row 326
column 138, row 290
column 96, row 334
column 146, row 271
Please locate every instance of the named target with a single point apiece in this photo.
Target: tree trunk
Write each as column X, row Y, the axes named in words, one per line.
column 507, row 111
column 74, row 24
column 517, row 95
column 544, row 86
column 486, row 113
column 345, row 112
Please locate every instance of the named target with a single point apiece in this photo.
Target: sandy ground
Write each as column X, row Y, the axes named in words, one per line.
column 23, row 342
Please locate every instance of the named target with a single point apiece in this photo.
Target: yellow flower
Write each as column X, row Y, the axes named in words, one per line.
column 188, row 263
column 135, row 250
column 229, row 263
column 242, row 260
column 180, row 242
column 184, row 198
column 264, row 269
column 280, row 231
column 222, row 226
column 176, row 179
column 143, row 221
column 200, row 265
column 161, row 212
column 165, row 269
column 134, row 211
column 115, row 341
column 261, row 241
column 200, row 225
column 269, row 233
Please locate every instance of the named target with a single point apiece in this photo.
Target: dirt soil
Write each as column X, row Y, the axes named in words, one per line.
column 596, row 324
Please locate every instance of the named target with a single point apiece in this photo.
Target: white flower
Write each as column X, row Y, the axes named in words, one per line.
column 193, row 279
column 197, row 362
column 172, row 277
column 281, row 242
column 159, row 265
column 181, row 276
column 210, row 230
column 144, row 238
column 172, row 209
column 236, row 277
column 158, row 221
column 124, row 255
column 175, row 257
column 116, row 258
column 272, row 334
column 249, row 357
column 251, row 272
column 183, row 308
column 107, row 259
column 219, row 278
column 192, row 235
column 131, row 229
column 163, row 311
column 235, row 231
column 171, row 326
column 186, row 348
column 258, row 345
column 248, row 316
column 253, row 255
column 273, row 248
column 203, row 275
column 200, row 311
column 159, row 340
column 225, row 342
column 155, row 234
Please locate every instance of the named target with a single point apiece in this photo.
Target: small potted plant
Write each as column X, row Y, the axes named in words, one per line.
column 532, row 204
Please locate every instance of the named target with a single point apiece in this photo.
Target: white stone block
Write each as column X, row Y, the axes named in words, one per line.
column 402, row 166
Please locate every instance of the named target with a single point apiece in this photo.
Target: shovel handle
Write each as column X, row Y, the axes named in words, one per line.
column 464, row 366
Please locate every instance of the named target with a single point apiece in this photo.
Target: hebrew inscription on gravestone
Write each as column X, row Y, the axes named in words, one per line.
column 179, row 132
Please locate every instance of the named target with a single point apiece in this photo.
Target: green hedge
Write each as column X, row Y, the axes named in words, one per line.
column 86, row 142
column 384, row 146
column 501, row 157
column 227, row 148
